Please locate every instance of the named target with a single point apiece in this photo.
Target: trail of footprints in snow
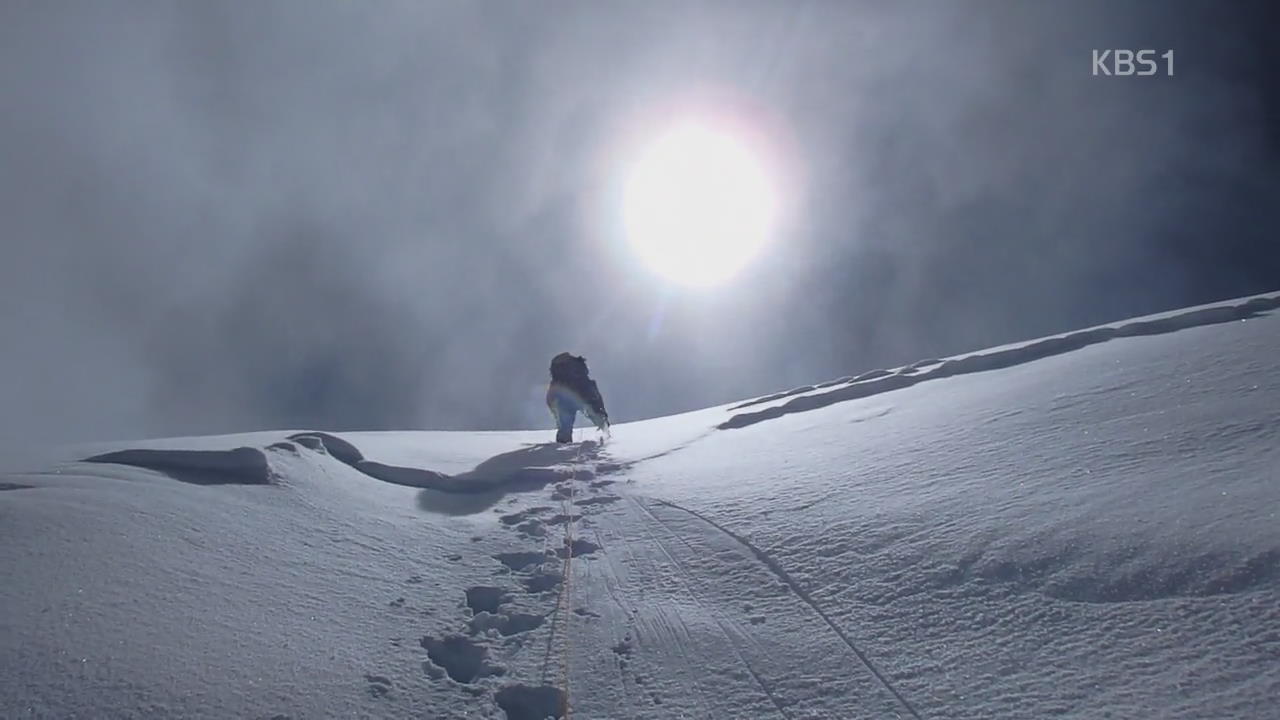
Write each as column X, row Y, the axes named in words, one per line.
column 463, row 657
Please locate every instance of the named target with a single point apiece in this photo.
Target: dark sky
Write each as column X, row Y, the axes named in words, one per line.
column 241, row 215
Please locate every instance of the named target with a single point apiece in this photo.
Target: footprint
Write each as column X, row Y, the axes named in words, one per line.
column 461, row 658
column 379, row 685
column 541, row 582
column 485, row 598
column 598, row 500
column 580, row 547
column 517, row 561
column 506, row 625
column 518, row 517
column 521, row 622
column 623, row 650
column 530, row 702
column 532, row 528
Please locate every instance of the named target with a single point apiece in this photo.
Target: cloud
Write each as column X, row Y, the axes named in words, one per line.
column 322, row 214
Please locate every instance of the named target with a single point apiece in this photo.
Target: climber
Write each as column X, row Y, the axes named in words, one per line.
column 571, row 390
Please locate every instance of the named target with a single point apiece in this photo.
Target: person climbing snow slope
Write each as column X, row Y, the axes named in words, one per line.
column 572, row 390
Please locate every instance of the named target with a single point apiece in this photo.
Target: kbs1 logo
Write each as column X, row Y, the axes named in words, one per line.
column 1123, row 63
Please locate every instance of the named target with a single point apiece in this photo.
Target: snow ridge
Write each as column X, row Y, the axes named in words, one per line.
column 880, row 381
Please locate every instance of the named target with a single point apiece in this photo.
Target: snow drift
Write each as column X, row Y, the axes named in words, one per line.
column 1079, row 526
column 244, row 465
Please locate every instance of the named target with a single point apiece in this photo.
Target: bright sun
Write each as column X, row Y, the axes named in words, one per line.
column 698, row 205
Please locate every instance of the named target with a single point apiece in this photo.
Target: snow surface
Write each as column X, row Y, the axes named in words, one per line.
column 1082, row 526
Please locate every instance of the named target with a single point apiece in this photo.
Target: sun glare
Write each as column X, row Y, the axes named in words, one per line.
column 698, row 204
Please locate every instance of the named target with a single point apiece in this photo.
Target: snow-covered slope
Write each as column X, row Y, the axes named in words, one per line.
column 1082, row 526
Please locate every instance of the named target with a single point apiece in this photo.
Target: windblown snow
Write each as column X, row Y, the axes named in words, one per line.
column 1083, row 526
